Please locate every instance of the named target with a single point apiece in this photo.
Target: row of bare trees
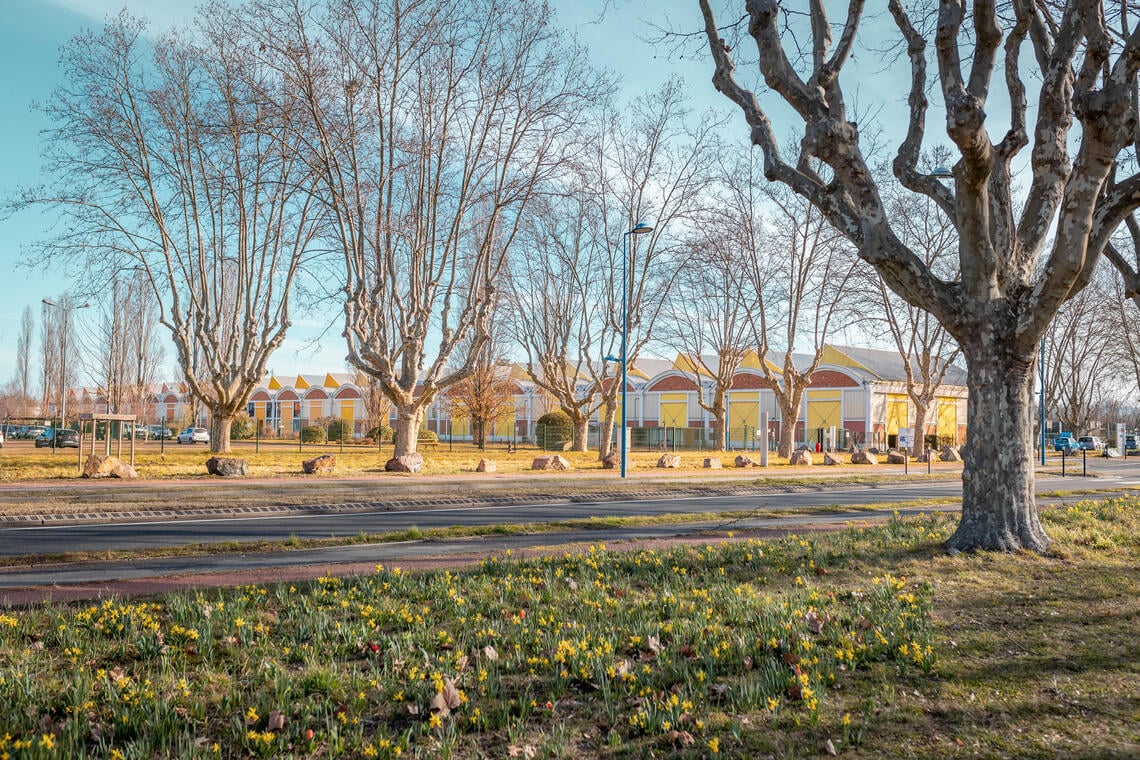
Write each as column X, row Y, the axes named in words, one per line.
column 445, row 166
column 416, row 142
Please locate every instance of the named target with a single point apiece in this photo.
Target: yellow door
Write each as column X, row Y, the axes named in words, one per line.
column 348, row 410
column 948, row 418
column 287, row 416
column 824, row 409
column 505, row 425
column 743, row 419
column 674, row 410
column 897, row 413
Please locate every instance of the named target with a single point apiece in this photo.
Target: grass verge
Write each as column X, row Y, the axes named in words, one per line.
column 726, row 518
column 868, row 642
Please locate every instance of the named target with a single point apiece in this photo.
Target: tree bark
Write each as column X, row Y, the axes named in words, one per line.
column 606, row 429
column 581, row 431
column 220, row 423
column 407, row 430
column 720, row 418
column 789, row 416
column 920, row 409
column 998, row 508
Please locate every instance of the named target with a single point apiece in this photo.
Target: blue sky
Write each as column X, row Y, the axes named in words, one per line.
column 32, row 31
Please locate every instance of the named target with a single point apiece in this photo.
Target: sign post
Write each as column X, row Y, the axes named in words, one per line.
column 906, row 440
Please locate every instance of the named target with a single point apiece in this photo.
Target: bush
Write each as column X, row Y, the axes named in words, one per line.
column 312, row 434
column 242, row 427
column 427, row 436
column 381, row 433
column 553, row 430
column 339, row 429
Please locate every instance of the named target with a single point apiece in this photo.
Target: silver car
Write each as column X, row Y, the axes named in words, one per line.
column 194, row 435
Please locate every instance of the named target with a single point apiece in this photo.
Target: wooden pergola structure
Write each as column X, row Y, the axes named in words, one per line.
column 97, row 418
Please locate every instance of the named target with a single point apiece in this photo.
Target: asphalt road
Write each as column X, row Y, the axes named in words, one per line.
column 53, row 539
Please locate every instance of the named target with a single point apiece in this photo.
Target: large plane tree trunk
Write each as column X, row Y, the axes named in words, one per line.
column 998, row 507
column 221, row 421
column 407, row 430
column 581, row 429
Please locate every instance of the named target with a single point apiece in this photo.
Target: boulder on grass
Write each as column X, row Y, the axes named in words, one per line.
column 101, row 466
column 227, row 467
column 800, row 456
column 322, row 465
column 930, row 455
column 550, row 462
column 828, row 459
column 950, row 454
column 712, row 463
column 412, row 463
column 669, row 460
column 611, row 461
column 486, row 465
column 863, row 457
column 896, row 457
column 124, row 471
column 743, row 461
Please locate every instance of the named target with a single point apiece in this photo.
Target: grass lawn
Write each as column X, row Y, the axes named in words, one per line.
column 870, row 642
column 20, row 462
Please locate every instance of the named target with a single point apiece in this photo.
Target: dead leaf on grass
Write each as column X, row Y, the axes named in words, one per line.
column 680, row 738
column 276, row 721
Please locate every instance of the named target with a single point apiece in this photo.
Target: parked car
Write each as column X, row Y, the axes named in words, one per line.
column 1130, row 442
column 1065, row 442
column 160, row 431
column 65, row 438
column 194, row 435
column 34, row 431
column 1090, row 443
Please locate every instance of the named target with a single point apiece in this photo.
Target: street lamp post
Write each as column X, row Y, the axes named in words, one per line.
column 638, row 229
column 65, row 314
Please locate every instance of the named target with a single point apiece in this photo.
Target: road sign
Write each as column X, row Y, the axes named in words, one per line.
column 906, row 437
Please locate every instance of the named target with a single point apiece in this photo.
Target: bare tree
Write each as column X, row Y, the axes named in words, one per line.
column 60, row 353
column 708, row 324
column 434, row 125
column 652, row 166
column 169, row 154
column 1006, row 294
column 1081, row 357
column 377, row 405
column 109, row 348
column 791, row 268
column 926, row 347
column 554, row 312
column 144, row 347
column 23, row 379
column 49, row 358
